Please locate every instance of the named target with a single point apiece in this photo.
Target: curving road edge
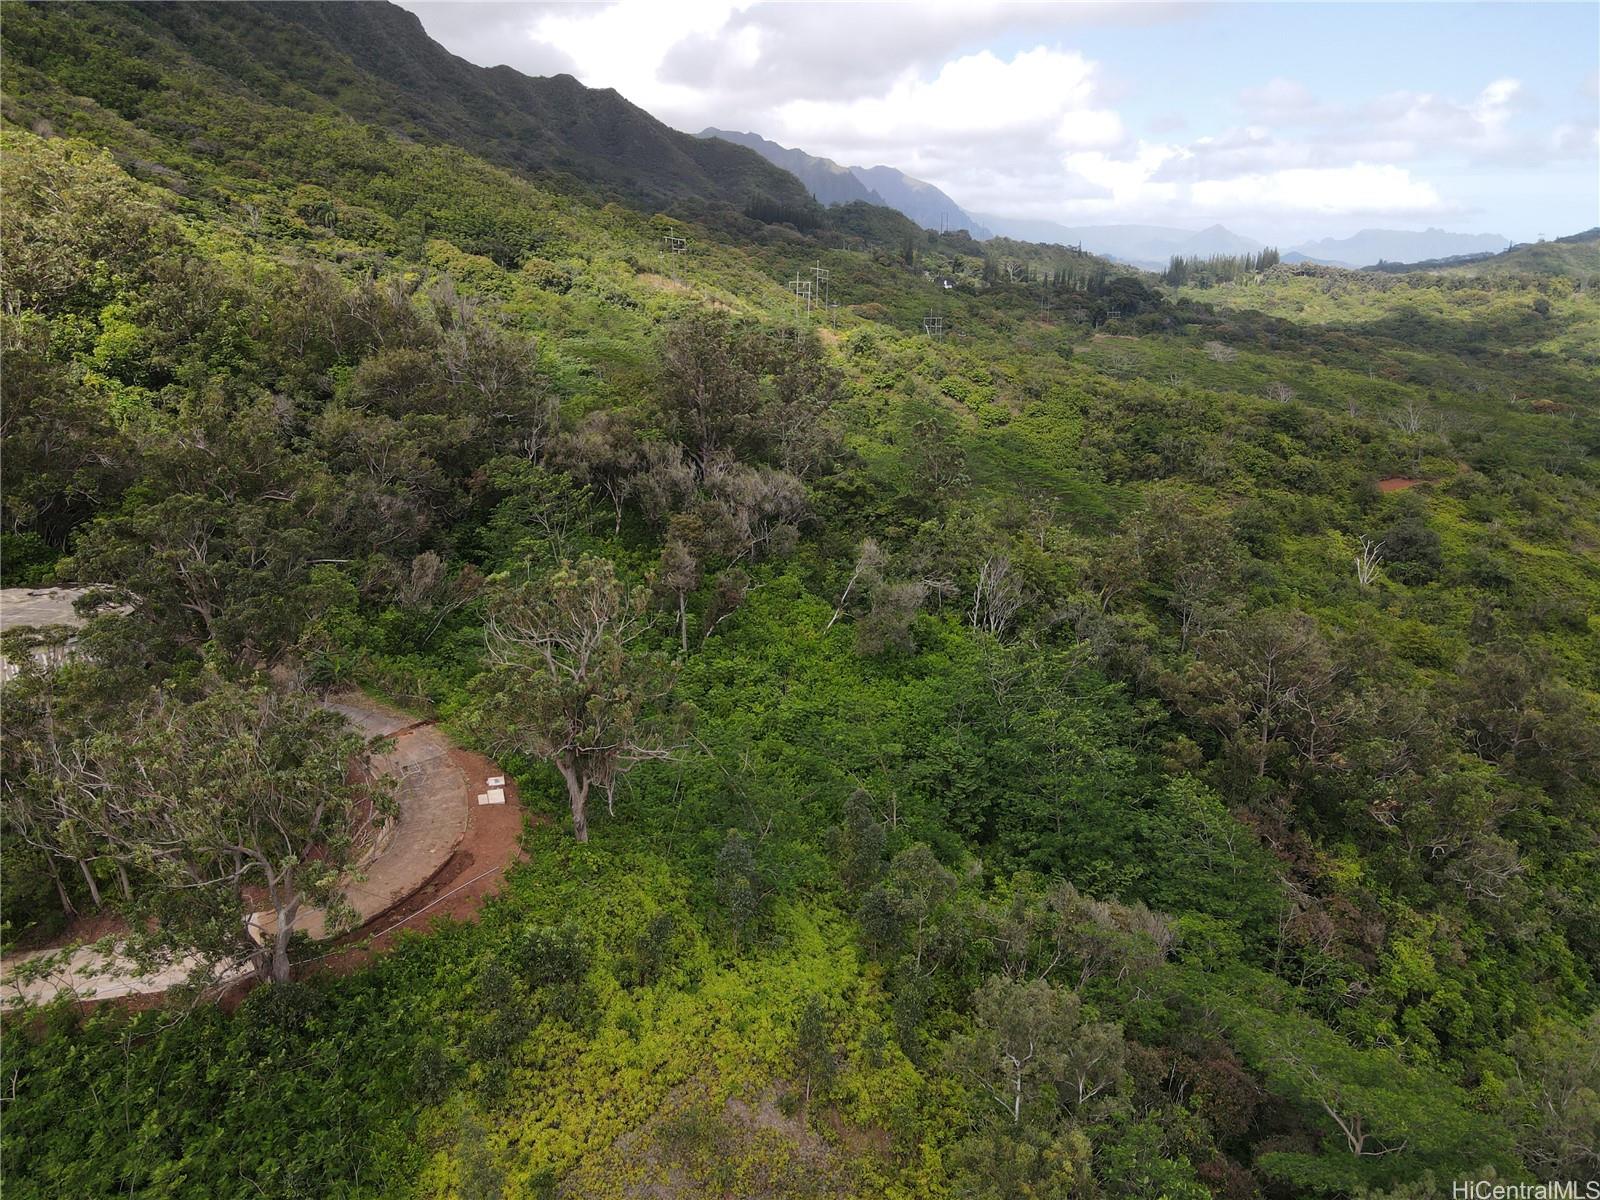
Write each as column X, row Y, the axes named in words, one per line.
column 435, row 798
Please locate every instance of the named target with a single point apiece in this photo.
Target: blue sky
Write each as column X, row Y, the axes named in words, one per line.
column 1282, row 121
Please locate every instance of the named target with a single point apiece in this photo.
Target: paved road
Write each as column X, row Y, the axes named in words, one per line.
column 433, row 795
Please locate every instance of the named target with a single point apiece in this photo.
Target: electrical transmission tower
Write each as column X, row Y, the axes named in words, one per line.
column 674, row 248
column 802, row 289
column 820, row 276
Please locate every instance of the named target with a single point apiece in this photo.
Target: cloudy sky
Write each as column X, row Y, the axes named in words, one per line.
column 1282, row 121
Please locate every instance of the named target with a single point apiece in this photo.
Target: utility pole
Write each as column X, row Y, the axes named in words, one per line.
column 802, row 290
column 821, row 276
column 933, row 326
column 674, row 247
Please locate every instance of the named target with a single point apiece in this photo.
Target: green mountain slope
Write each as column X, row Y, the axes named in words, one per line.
column 830, row 183
column 1198, row 685
column 1577, row 256
column 374, row 63
column 825, row 179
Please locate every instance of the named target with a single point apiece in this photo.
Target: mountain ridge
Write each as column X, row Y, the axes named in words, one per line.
column 1576, row 253
column 1149, row 246
column 828, row 182
column 376, row 64
column 923, row 202
column 1369, row 246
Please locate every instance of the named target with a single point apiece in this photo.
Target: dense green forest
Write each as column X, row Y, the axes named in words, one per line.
column 1081, row 735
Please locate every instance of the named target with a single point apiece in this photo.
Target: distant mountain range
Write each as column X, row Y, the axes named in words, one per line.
column 831, row 183
column 825, row 179
column 1372, row 246
column 1148, row 246
column 1152, row 246
column 1577, row 254
column 391, row 74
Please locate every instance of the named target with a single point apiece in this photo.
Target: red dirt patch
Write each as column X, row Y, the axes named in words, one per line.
column 1398, row 483
column 85, row 927
column 491, row 844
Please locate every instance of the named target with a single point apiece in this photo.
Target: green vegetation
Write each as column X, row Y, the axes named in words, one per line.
column 1217, row 268
column 1043, row 760
column 1576, row 255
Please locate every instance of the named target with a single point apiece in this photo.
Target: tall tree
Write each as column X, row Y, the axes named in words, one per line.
column 1030, row 1049
column 603, row 451
column 244, row 793
column 1272, row 683
column 680, row 572
column 813, row 1056
column 571, row 681
column 709, row 390
column 1380, row 1117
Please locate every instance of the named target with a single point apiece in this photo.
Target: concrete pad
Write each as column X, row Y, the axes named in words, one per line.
column 371, row 717
column 37, row 607
column 86, row 973
column 431, row 792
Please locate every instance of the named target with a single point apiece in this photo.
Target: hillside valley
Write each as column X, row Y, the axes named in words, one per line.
column 991, row 721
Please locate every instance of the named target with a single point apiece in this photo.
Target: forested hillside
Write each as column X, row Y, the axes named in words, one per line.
column 1050, row 732
column 374, row 63
column 1577, row 256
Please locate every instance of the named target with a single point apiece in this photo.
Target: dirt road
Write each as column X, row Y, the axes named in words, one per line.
column 437, row 788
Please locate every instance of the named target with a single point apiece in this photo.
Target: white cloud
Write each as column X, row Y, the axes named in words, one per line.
column 1040, row 98
column 493, row 34
column 996, row 104
column 1359, row 189
column 1276, row 96
column 841, row 52
column 1291, row 128
column 995, row 132
column 1130, row 181
column 624, row 45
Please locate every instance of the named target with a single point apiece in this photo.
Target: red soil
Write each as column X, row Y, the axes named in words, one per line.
column 1398, row 483
column 491, row 844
